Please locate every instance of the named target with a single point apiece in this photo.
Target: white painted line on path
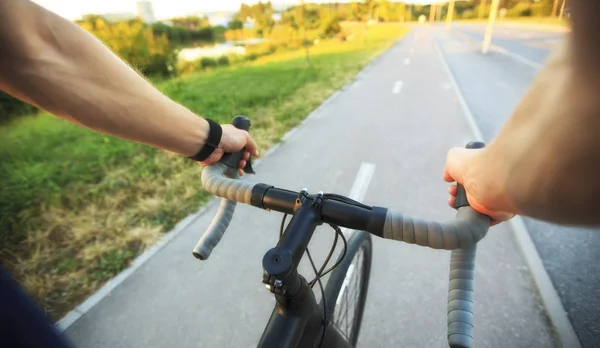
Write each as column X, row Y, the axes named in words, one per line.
column 397, row 87
column 360, row 186
column 406, row 61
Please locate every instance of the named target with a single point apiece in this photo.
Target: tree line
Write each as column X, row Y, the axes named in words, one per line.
column 151, row 49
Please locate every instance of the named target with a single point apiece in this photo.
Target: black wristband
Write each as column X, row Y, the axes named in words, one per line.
column 212, row 141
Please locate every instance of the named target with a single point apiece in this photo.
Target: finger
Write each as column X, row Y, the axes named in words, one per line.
column 246, row 156
column 447, row 176
column 251, row 145
column 242, row 164
column 451, row 201
column 453, row 190
column 241, row 171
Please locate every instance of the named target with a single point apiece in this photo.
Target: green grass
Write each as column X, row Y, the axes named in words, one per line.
column 78, row 206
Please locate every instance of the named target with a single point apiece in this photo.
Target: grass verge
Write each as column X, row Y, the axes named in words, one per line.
column 78, row 206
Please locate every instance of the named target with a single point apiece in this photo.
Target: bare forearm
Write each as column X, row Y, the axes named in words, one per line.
column 546, row 159
column 54, row 64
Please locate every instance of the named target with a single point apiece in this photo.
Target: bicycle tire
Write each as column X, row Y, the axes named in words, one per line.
column 360, row 248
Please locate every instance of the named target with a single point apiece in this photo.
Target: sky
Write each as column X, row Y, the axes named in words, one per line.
column 72, row 9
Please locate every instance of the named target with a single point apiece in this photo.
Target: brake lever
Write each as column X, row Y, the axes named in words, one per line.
column 232, row 160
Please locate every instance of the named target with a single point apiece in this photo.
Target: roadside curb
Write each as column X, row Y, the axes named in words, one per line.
column 78, row 312
column 555, row 311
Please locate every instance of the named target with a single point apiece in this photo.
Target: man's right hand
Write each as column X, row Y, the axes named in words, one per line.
column 466, row 167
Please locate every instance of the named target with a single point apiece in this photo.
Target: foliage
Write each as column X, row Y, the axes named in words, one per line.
column 260, row 13
column 519, row 10
column 191, row 22
column 135, row 42
column 391, row 11
column 11, row 107
column 180, row 35
column 64, row 232
column 235, row 24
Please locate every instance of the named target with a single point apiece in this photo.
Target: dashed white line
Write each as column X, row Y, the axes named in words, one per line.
column 360, row 186
column 406, row 61
column 397, row 87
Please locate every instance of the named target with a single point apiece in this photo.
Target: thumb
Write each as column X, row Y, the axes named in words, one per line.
column 455, row 167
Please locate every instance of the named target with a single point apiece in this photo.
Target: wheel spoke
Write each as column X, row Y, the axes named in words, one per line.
column 345, row 315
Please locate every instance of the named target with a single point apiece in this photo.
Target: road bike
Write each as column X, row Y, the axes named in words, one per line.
column 297, row 319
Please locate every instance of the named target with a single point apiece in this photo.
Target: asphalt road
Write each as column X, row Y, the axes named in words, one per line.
column 400, row 115
column 492, row 85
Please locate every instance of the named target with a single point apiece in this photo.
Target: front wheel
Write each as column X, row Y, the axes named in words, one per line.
column 346, row 290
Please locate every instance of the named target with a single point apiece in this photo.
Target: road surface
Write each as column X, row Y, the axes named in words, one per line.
column 400, row 115
column 492, row 85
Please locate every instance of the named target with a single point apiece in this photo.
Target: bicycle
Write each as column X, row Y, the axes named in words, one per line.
column 297, row 320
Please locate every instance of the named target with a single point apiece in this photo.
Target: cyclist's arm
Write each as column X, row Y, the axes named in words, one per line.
column 545, row 162
column 54, row 64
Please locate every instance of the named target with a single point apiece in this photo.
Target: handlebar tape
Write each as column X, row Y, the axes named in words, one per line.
column 232, row 191
column 215, row 230
column 215, row 183
column 460, row 236
column 468, row 229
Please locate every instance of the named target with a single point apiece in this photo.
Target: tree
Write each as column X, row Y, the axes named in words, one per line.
column 191, row 22
column 235, row 24
column 261, row 13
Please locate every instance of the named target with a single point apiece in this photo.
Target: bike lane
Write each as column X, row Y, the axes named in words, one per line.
column 398, row 117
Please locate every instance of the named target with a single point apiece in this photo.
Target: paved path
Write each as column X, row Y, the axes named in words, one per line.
column 492, row 86
column 401, row 115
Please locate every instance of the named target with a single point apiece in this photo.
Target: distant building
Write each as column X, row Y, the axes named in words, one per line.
column 145, row 11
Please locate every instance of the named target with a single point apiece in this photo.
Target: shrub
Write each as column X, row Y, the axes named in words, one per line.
column 223, row 61
column 186, row 67
column 519, row 10
column 11, row 108
column 208, row 63
column 468, row 14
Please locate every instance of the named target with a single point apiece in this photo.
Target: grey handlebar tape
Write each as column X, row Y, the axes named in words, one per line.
column 232, row 191
column 468, row 228
column 216, row 183
column 461, row 236
column 460, row 297
column 215, row 230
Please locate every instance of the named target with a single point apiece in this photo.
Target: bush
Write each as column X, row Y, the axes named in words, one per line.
column 223, row 61
column 331, row 26
column 208, row 63
column 519, row 10
column 11, row 108
column 186, row 67
column 468, row 14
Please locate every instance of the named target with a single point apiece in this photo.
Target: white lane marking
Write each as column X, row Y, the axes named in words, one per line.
column 406, row 61
column 461, row 99
column 360, row 186
column 515, row 56
column 411, row 50
column 554, row 308
column 550, row 298
column 397, row 87
column 362, row 181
